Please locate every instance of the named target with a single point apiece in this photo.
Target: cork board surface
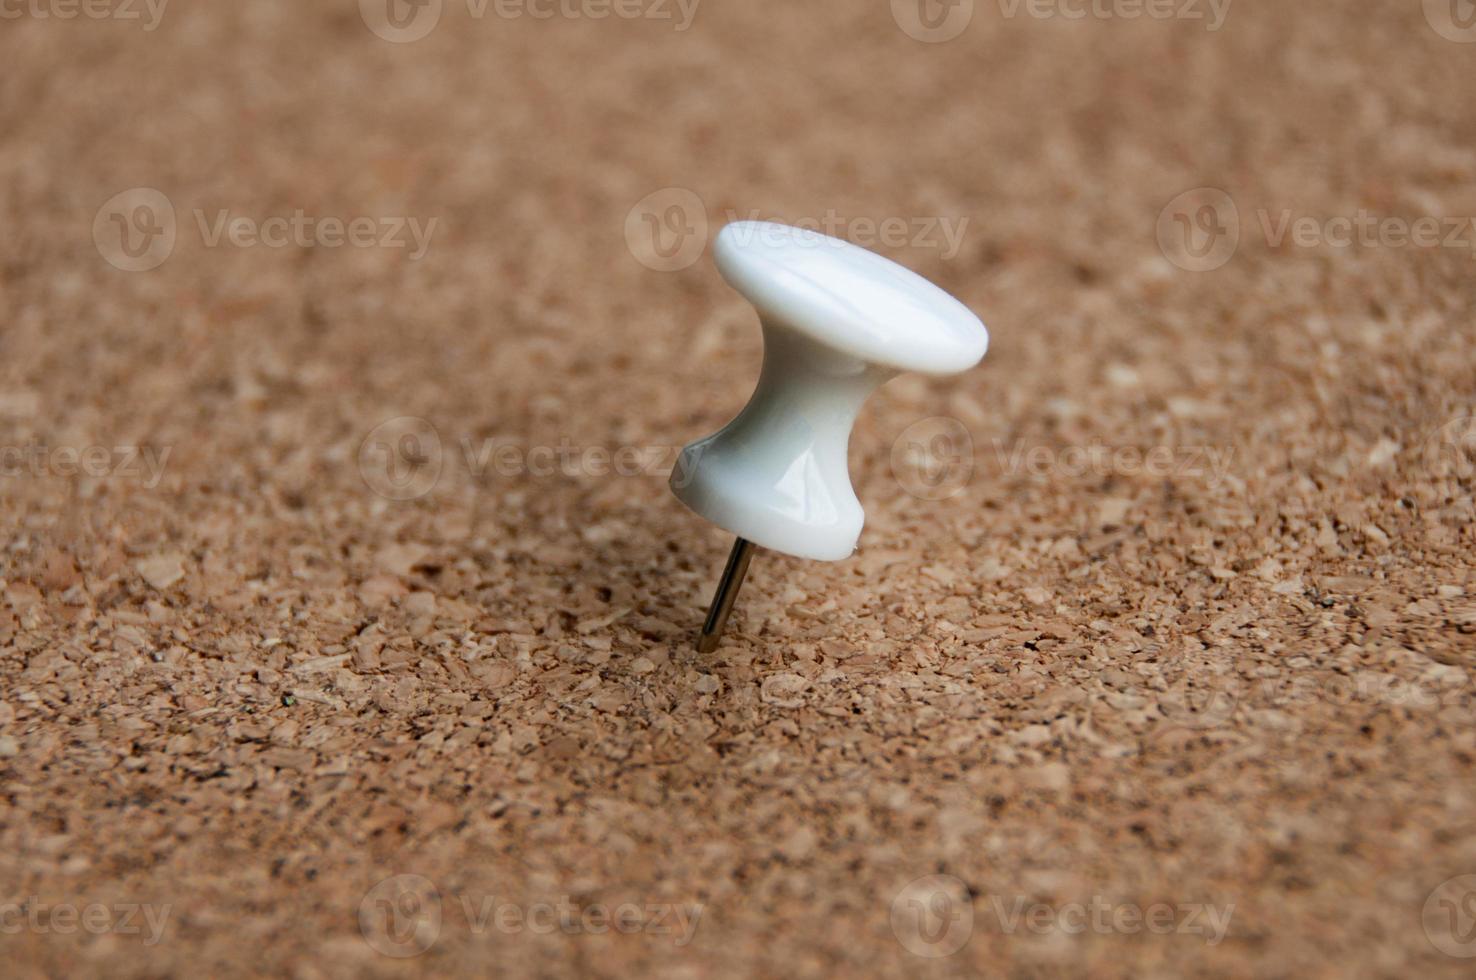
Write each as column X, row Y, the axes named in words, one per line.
column 1169, row 603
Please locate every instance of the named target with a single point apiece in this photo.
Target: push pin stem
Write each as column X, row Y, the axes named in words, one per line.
column 726, row 595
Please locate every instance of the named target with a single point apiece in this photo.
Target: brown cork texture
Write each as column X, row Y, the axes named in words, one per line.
column 347, row 623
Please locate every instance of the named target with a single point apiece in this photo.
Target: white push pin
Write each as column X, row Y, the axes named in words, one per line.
column 838, row 323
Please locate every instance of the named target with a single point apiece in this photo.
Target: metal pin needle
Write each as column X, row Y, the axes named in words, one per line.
column 726, row 595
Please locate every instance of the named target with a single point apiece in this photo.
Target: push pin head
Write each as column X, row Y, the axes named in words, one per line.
column 838, row 322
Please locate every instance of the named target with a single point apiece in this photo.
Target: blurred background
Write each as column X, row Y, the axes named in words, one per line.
column 344, row 349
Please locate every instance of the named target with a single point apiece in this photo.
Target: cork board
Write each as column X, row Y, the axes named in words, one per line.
column 340, row 371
